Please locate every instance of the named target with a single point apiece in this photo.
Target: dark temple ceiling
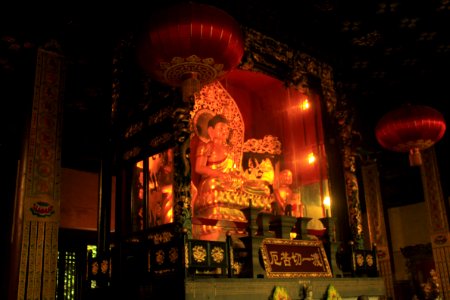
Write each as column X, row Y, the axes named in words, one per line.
column 384, row 54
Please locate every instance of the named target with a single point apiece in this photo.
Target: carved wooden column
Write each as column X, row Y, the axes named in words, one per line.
column 439, row 229
column 182, row 215
column 346, row 132
column 376, row 224
column 38, row 193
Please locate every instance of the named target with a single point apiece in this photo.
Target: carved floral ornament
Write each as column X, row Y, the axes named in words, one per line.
column 159, row 257
column 199, row 253
column 268, row 144
column 173, row 255
column 217, row 254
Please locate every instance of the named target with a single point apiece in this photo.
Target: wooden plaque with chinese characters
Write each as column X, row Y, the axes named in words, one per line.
column 294, row 258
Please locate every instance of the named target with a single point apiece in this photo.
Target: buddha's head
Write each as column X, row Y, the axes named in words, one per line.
column 218, row 128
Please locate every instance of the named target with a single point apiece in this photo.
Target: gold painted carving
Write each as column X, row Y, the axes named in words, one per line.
column 359, row 260
column 206, row 69
column 369, row 260
column 159, row 257
column 160, row 238
column 268, row 144
column 173, row 255
column 217, row 254
column 199, row 253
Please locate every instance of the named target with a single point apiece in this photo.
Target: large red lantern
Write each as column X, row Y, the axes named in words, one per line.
column 410, row 129
column 190, row 40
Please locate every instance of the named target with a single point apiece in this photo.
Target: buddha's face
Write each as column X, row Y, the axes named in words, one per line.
column 219, row 132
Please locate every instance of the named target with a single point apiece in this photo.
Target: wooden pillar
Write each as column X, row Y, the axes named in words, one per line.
column 376, row 223
column 439, row 230
column 182, row 212
column 37, row 211
column 349, row 155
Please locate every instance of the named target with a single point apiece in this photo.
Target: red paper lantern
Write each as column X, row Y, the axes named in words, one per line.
column 409, row 129
column 190, row 38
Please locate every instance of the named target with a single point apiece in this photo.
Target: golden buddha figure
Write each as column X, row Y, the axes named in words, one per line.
column 283, row 194
column 218, row 201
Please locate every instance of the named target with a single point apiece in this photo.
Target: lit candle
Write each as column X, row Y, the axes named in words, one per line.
column 326, row 204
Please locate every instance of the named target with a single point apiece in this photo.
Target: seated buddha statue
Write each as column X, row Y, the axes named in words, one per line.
column 218, row 200
column 283, row 194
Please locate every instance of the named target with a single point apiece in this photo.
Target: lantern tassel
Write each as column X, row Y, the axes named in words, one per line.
column 415, row 158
